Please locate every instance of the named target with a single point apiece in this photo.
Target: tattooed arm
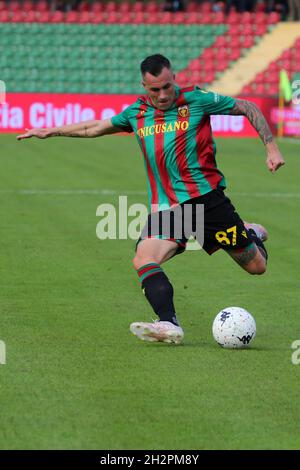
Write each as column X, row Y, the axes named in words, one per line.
column 91, row 128
column 258, row 121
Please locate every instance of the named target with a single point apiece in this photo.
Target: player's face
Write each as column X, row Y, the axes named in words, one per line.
column 161, row 89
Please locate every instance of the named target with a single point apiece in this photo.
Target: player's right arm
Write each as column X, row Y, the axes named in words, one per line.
column 91, row 128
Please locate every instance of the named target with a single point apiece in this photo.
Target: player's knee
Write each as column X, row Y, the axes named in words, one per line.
column 136, row 262
column 257, row 268
column 139, row 261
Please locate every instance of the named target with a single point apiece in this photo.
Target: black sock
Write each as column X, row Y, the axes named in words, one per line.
column 259, row 243
column 159, row 293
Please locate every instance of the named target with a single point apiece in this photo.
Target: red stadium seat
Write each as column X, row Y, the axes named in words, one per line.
column 273, row 17
column 273, row 90
column 151, row 7
column 30, row 16
column 112, row 17
column 234, row 30
column 97, row 17
column 195, row 65
column 209, row 76
column 260, row 29
column 2, row 5
column 260, row 89
column 234, row 54
column 205, row 7
column 233, row 18
column 14, row 6
column 181, row 77
column 179, row 17
column 137, row 7
column 246, row 17
column 72, row 16
column 111, row 7
column 138, row 18
column 27, row 5
column 192, row 7
column 57, row 17
column 84, row 17
column 273, row 67
column 247, row 41
column 287, row 54
column 124, row 7
column 41, row 6
column 83, row 6
column 246, row 29
column 235, row 42
column 247, row 90
column 260, row 18
column 152, row 18
column 208, row 54
column 221, row 53
column 97, row 7
column 220, row 41
column 209, row 65
column 165, row 17
column 260, row 7
column 17, row 17
column 4, row 16
column 271, row 77
column 125, row 18
column 43, row 17
column 260, row 78
column 196, row 76
column 203, row 18
column 221, row 65
column 218, row 18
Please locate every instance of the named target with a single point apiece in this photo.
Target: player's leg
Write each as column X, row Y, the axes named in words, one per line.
column 249, row 258
column 241, row 240
column 150, row 254
column 252, row 258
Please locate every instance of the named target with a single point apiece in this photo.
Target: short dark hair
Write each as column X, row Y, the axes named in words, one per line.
column 154, row 64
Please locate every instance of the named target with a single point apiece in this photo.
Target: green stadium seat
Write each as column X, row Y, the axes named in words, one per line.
column 97, row 57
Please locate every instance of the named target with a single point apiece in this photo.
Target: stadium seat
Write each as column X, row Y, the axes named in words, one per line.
column 71, row 16
column 14, row 6
column 42, row 6
column 4, row 16
column 111, row 6
column 17, row 16
column 96, row 7
column 151, row 7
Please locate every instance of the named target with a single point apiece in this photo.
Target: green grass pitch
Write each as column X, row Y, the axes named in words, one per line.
column 75, row 377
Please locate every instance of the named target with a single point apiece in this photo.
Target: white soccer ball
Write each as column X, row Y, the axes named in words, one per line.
column 234, row 327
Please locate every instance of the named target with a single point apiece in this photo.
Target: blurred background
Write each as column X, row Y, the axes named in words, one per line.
column 239, row 48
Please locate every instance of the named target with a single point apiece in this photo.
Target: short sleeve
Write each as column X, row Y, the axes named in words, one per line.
column 122, row 121
column 213, row 103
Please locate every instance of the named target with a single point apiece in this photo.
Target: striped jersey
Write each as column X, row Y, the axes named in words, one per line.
column 177, row 144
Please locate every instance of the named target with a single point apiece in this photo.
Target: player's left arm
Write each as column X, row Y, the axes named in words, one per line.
column 258, row 121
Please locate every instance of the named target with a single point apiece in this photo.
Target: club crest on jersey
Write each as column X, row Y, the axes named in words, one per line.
column 183, row 111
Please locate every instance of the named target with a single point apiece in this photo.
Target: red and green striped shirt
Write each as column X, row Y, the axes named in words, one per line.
column 177, row 144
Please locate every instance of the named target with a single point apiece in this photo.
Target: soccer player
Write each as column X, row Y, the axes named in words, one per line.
column 172, row 126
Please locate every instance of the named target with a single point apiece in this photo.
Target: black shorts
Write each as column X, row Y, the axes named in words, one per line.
column 220, row 226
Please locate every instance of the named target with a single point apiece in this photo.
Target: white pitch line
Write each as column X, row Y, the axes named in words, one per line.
column 290, row 140
column 113, row 192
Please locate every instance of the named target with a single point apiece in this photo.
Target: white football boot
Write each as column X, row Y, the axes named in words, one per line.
column 163, row 331
column 260, row 231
